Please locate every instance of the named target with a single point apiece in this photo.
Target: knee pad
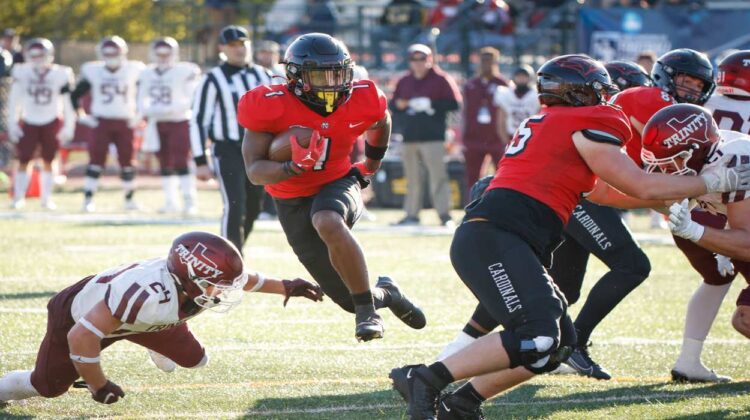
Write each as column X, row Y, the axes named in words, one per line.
column 93, row 171
column 127, row 173
column 531, row 352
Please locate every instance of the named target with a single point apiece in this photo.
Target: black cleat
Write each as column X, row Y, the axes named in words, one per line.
column 369, row 326
column 423, row 396
column 581, row 361
column 401, row 306
column 400, row 382
column 452, row 407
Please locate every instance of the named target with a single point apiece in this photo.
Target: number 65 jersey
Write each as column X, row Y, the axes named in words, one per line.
column 142, row 295
column 38, row 92
column 113, row 92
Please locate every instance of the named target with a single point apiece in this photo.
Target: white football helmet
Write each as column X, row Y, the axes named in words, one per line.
column 164, row 52
column 40, row 52
column 113, row 50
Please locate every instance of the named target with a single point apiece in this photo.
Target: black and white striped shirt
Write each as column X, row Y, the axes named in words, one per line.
column 215, row 105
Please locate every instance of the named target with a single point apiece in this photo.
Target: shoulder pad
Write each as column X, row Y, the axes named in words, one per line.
column 259, row 108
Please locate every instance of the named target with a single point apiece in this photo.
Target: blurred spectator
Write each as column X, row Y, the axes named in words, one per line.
column 646, row 59
column 423, row 99
column 482, row 128
column 444, row 11
column 516, row 102
column 267, row 54
column 320, row 16
column 220, row 14
column 11, row 43
column 478, row 23
column 401, row 23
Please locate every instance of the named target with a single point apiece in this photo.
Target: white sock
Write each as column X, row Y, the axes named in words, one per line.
column 90, row 184
column 128, row 187
column 47, row 180
column 20, row 185
column 187, row 186
column 169, row 186
column 462, row 340
column 16, row 385
column 701, row 312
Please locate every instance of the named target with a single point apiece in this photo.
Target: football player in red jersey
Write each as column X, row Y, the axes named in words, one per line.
column 318, row 192
column 506, row 239
column 684, row 139
column 147, row 303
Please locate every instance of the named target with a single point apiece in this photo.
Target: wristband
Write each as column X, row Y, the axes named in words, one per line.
column 287, row 167
column 82, row 359
column 259, row 284
column 375, row 152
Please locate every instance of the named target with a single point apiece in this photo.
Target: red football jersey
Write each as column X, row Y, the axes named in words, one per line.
column 542, row 161
column 274, row 109
column 640, row 103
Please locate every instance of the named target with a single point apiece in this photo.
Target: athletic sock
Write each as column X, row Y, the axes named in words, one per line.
column 20, row 185
column 169, row 187
column 363, row 302
column 16, row 385
column 701, row 312
column 440, row 377
column 469, row 393
column 187, row 187
column 46, row 180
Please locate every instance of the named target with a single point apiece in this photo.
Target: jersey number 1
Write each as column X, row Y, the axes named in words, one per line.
column 523, row 135
column 321, row 163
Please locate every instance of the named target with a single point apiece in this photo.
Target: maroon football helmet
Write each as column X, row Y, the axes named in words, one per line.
column 208, row 269
column 164, row 52
column 734, row 74
column 679, row 139
column 40, row 52
column 113, row 50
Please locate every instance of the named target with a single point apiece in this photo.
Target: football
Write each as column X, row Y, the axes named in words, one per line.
column 280, row 149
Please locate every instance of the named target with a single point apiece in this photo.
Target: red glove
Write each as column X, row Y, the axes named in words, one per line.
column 108, row 394
column 306, row 158
column 304, row 288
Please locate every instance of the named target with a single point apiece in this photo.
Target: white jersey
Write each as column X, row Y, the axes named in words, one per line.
column 113, row 93
column 37, row 96
column 517, row 109
column 142, row 295
column 168, row 95
column 732, row 144
column 730, row 114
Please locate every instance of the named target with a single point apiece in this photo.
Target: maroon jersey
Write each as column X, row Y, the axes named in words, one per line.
column 273, row 109
column 640, row 103
column 543, row 163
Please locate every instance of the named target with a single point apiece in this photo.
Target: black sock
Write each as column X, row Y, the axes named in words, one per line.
column 381, row 298
column 363, row 299
column 472, row 331
column 129, row 195
column 88, row 194
column 441, row 375
column 468, row 393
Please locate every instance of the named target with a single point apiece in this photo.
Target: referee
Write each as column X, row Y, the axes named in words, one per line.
column 214, row 117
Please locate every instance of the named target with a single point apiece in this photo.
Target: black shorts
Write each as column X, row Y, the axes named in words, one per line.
column 344, row 196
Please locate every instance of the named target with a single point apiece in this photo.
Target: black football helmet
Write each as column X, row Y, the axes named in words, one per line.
column 573, row 80
column 689, row 62
column 320, row 71
column 627, row 74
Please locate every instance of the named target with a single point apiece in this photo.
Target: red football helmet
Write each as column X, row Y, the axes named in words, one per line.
column 678, row 139
column 40, row 52
column 734, row 74
column 208, row 269
column 113, row 50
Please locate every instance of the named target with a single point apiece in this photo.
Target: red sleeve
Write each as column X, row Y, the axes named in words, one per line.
column 374, row 103
column 259, row 108
column 609, row 120
column 642, row 103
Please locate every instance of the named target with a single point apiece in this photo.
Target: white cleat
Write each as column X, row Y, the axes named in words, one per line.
column 168, row 208
column 564, row 369
column 131, row 205
column 88, row 206
column 190, row 211
column 697, row 373
column 162, row 362
column 49, row 205
column 18, row 204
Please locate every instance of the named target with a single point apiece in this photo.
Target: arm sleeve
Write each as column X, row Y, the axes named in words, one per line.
column 14, row 100
column 82, row 88
column 203, row 106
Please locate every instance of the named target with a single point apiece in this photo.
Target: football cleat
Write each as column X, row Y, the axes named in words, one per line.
column 49, row 205
column 697, row 373
column 190, row 210
column 369, row 326
column 167, row 208
column 401, row 306
column 453, row 407
column 423, row 397
column 581, row 361
column 399, row 379
column 88, row 206
column 407, row 221
column 18, row 204
column 162, row 362
column 131, row 205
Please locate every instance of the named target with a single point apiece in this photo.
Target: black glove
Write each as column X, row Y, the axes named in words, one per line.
column 108, row 394
column 300, row 287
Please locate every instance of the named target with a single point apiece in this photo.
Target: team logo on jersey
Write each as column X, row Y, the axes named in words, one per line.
column 694, row 127
column 324, row 125
column 197, row 260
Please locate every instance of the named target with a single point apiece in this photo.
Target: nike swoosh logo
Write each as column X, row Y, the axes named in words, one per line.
column 355, row 125
column 408, row 374
column 445, row 407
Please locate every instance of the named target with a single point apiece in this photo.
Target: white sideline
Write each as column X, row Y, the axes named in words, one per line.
column 344, row 408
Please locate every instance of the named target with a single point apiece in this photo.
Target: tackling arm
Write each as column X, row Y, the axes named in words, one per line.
column 260, row 170
column 289, row 288
column 605, row 195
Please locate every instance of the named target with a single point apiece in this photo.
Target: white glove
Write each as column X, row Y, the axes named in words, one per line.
column 420, row 104
column 88, row 121
column 681, row 224
column 724, row 265
column 15, row 132
column 720, row 178
column 66, row 133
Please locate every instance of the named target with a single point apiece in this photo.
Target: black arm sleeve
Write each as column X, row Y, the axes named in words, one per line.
column 82, row 88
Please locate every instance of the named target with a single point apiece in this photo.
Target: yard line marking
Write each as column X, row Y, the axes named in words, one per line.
column 388, row 406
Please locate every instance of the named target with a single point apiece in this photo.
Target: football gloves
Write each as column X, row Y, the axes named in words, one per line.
column 305, row 158
column 110, row 393
column 681, row 224
column 15, row 132
column 721, row 178
column 304, row 288
column 724, row 265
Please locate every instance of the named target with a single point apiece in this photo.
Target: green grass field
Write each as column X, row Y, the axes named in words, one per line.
column 303, row 361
